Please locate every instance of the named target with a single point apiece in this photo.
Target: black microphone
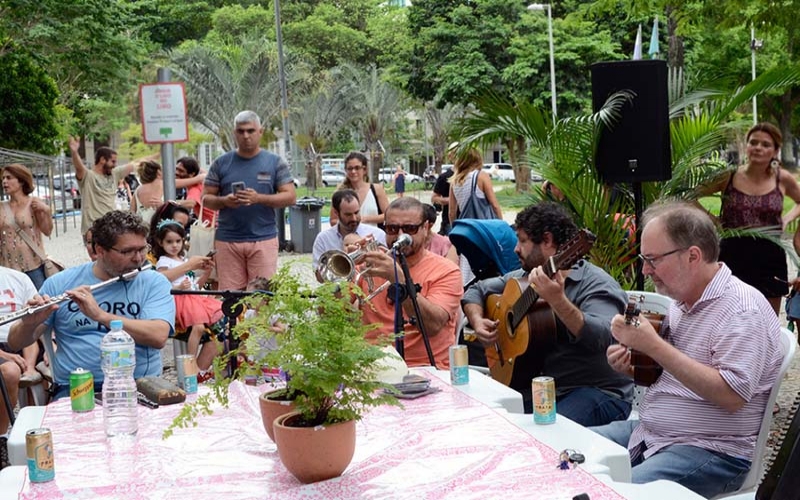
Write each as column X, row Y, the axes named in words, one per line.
column 403, row 241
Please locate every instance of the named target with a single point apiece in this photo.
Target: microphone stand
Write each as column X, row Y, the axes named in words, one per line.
column 231, row 309
column 411, row 291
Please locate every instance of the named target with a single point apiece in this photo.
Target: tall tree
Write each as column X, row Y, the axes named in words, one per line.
column 28, row 100
column 376, row 107
column 90, row 48
column 223, row 80
column 316, row 119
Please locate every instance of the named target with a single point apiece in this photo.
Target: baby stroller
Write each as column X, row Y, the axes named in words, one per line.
column 488, row 245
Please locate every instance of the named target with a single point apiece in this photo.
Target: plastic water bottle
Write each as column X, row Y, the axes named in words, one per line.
column 118, row 359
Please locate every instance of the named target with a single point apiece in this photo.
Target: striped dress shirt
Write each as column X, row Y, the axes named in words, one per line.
column 733, row 329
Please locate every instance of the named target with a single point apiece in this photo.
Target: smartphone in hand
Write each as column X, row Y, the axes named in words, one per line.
column 238, row 186
column 211, row 253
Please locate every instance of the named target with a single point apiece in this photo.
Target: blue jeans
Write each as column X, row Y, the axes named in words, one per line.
column 707, row 473
column 589, row 406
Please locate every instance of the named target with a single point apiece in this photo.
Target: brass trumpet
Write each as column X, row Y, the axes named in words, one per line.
column 338, row 265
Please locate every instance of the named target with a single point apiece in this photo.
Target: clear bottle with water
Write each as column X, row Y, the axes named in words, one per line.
column 118, row 359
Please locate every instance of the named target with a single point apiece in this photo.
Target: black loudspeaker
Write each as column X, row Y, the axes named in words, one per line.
column 637, row 147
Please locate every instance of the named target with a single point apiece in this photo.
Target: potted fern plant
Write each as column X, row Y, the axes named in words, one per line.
column 318, row 340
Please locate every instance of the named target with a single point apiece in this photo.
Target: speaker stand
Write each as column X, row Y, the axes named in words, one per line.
column 638, row 208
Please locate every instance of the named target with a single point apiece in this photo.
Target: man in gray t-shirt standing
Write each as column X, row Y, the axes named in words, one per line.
column 246, row 186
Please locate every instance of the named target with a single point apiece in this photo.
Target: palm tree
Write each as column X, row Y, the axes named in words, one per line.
column 316, row 120
column 441, row 122
column 376, row 107
column 700, row 123
column 223, row 79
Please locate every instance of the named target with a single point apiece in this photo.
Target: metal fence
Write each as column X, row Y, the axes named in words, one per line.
column 55, row 182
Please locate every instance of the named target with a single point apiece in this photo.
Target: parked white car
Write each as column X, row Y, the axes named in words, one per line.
column 386, row 175
column 332, row 177
column 500, row 171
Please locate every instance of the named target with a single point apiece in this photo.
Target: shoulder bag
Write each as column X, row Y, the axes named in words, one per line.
column 201, row 237
column 476, row 208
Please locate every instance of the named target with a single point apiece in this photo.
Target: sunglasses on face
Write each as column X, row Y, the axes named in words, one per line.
column 407, row 228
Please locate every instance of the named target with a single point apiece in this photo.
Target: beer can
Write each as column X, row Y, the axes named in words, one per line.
column 39, row 450
column 544, row 400
column 459, row 365
column 81, row 390
column 187, row 373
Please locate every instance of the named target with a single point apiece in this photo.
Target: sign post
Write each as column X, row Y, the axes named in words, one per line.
column 163, row 109
column 164, row 121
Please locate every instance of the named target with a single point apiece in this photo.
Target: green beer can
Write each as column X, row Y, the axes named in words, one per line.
column 81, row 390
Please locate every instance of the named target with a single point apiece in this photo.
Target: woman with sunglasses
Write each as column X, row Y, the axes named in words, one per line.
column 374, row 200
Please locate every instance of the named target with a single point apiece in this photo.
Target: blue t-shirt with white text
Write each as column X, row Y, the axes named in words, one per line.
column 147, row 296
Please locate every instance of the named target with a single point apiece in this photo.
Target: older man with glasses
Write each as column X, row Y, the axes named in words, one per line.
column 143, row 303
column 720, row 353
column 438, row 281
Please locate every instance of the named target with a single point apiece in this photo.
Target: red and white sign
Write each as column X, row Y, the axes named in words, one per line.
column 163, row 111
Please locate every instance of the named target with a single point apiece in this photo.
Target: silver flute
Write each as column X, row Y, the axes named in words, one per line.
column 8, row 318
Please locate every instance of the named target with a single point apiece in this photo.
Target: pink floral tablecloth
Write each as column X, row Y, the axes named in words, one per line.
column 445, row 445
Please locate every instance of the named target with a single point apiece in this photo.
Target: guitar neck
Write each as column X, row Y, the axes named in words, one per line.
column 524, row 304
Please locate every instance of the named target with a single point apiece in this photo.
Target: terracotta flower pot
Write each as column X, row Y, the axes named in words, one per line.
column 272, row 408
column 314, row 454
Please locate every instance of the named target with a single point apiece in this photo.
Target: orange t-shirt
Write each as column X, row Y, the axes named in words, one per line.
column 441, row 284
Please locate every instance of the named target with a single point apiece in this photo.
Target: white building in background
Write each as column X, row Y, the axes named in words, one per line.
column 206, row 153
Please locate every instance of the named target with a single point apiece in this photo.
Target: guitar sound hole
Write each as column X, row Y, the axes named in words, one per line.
column 510, row 324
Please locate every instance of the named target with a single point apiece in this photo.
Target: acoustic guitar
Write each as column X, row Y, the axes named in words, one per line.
column 645, row 370
column 527, row 326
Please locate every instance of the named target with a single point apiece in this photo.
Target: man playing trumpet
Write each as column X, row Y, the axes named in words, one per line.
column 144, row 304
column 346, row 206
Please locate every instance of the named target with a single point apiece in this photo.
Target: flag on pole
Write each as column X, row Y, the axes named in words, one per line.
column 654, row 51
column 637, row 48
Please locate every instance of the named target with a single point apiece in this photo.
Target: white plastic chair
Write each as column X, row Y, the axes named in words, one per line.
column 654, row 303
column 789, row 345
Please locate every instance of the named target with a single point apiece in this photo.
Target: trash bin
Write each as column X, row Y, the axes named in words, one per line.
column 304, row 222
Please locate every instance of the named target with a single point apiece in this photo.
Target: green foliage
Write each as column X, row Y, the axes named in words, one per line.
column 28, row 103
column 459, row 49
column 90, row 48
column 323, row 349
column 328, row 37
column 319, row 341
column 234, row 22
column 203, row 404
column 133, row 145
column 169, row 23
column 564, row 154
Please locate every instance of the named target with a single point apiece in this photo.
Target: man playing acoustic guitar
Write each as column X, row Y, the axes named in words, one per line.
column 573, row 302
column 720, row 356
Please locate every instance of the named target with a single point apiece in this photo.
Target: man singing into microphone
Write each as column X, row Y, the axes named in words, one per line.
column 438, row 281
